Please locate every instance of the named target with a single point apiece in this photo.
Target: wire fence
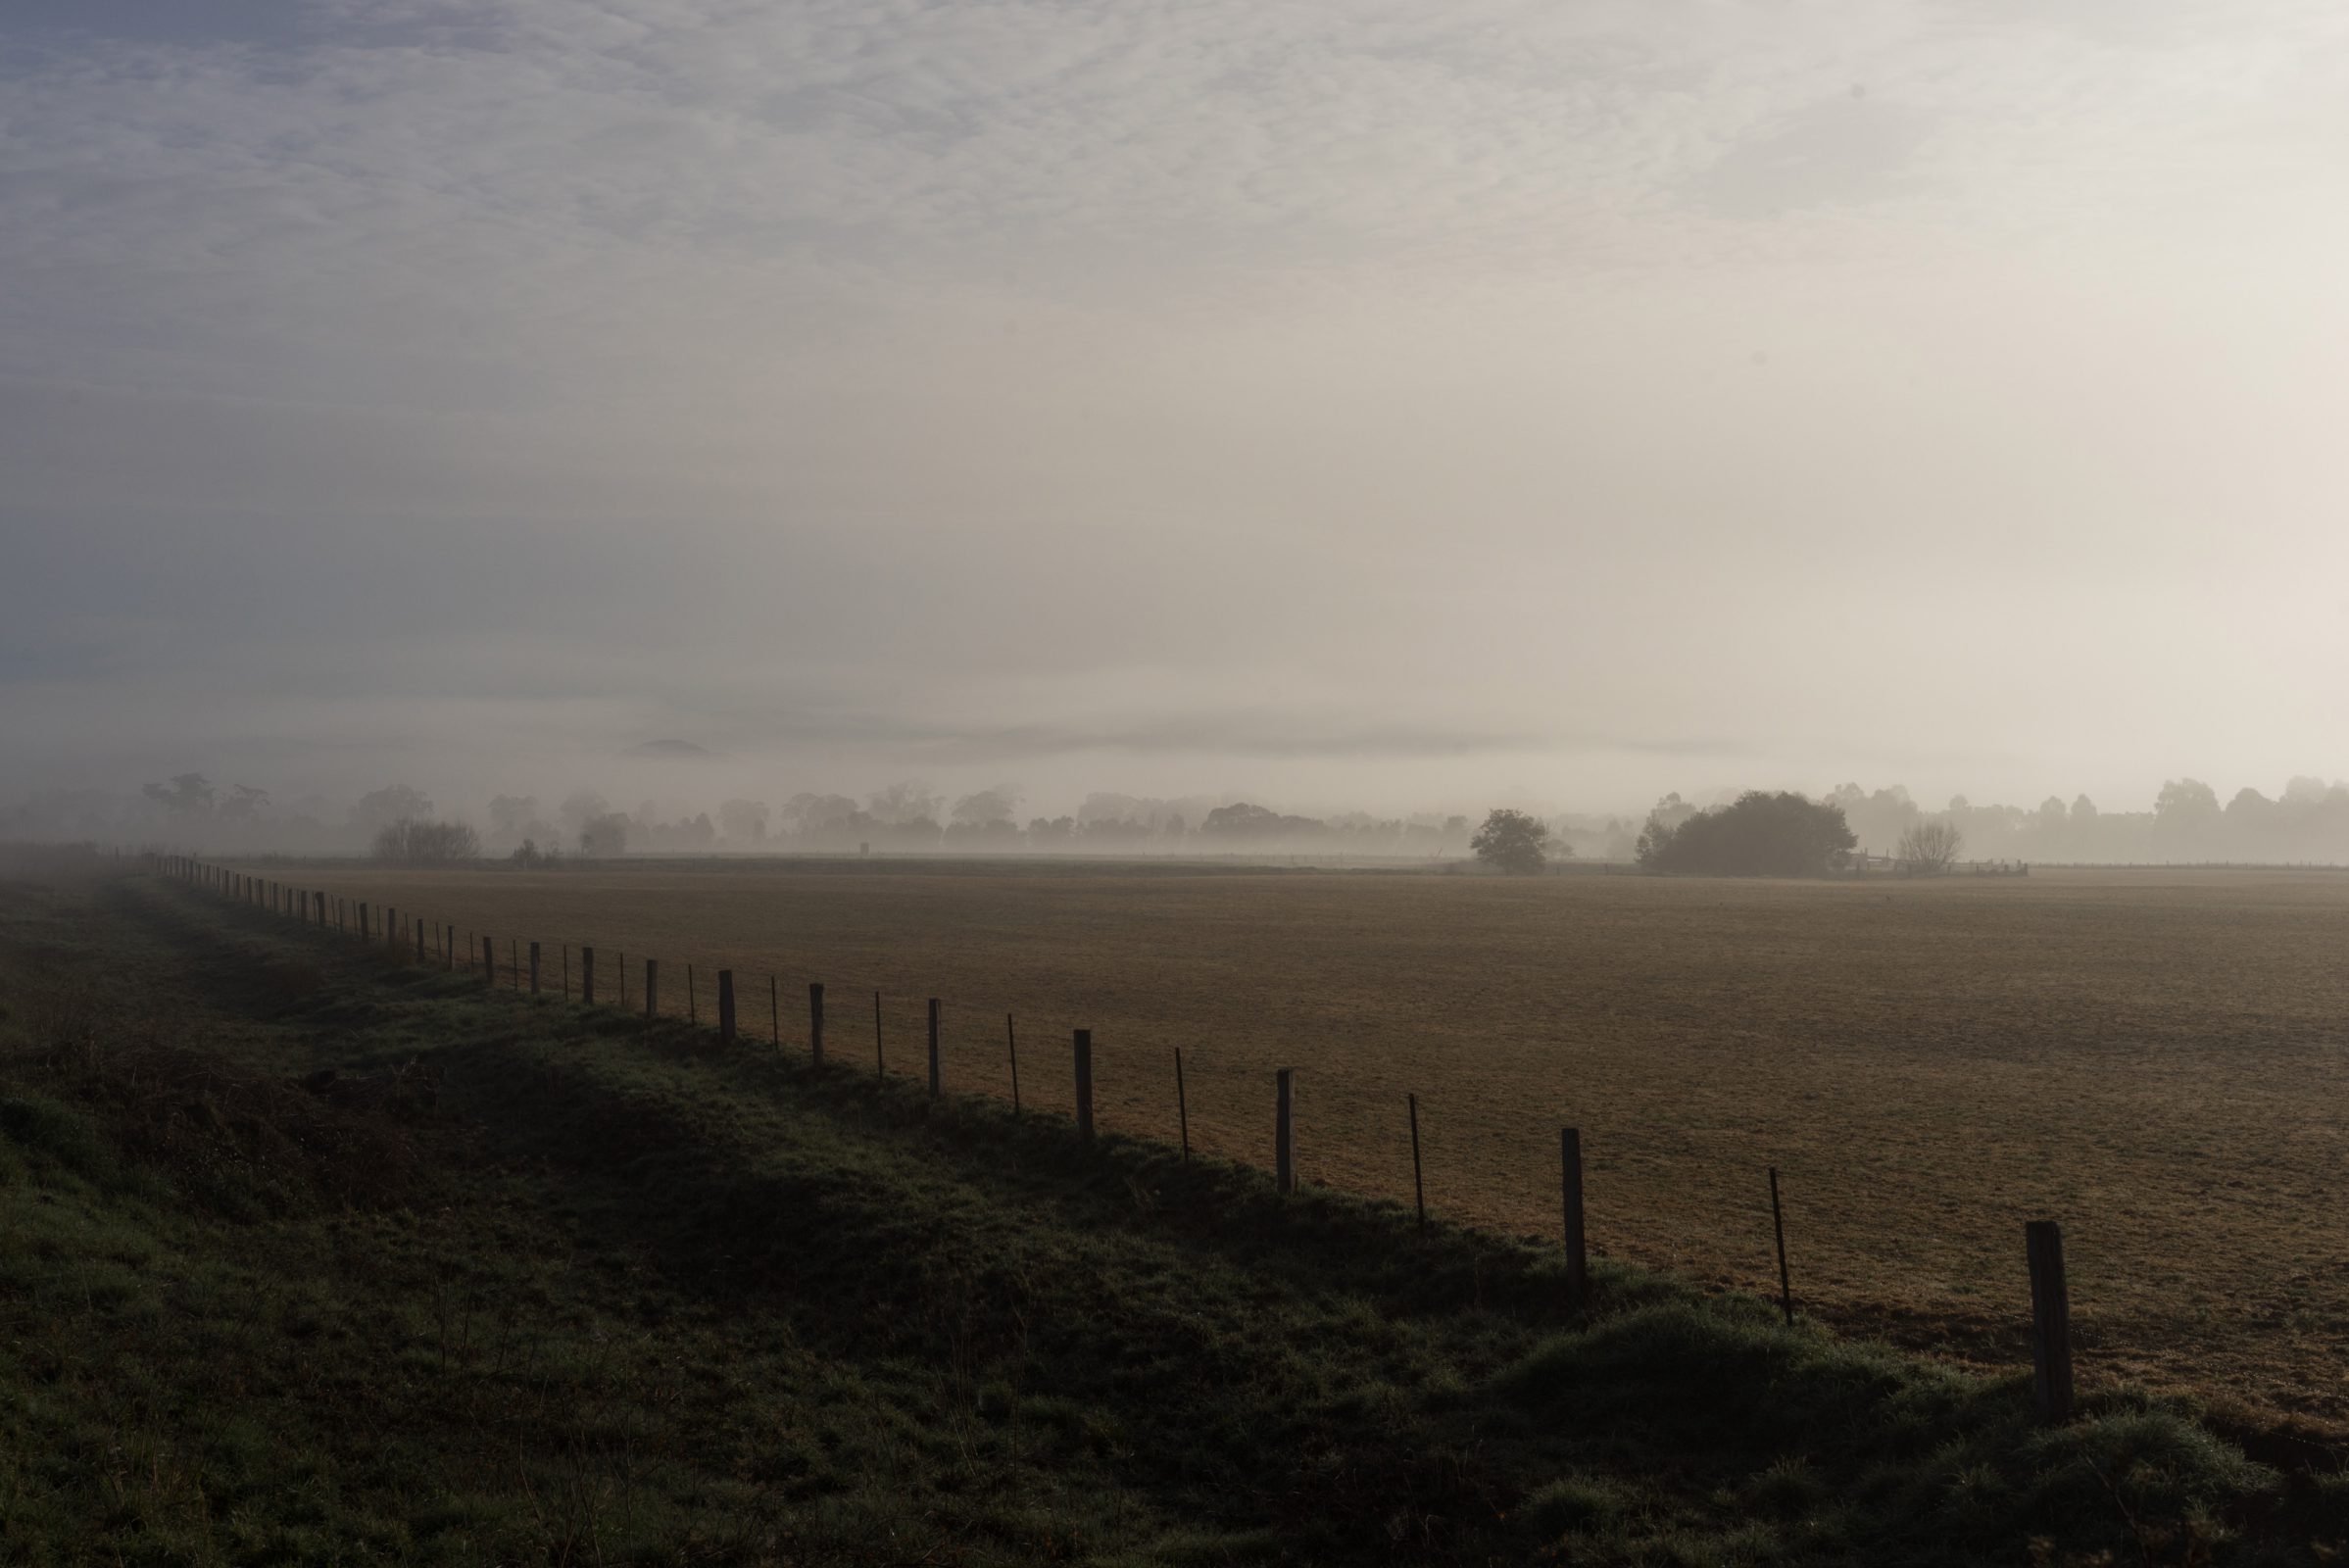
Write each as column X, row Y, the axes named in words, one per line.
column 1356, row 1124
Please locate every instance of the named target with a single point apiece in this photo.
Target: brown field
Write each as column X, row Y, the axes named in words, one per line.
column 2153, row 1057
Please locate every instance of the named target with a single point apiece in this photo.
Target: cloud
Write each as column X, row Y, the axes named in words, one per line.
column 1306, row 383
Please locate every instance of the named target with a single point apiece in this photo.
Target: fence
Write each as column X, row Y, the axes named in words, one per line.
column 941, row 1040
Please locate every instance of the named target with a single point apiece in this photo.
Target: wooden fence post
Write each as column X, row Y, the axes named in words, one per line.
column 489, row 963
column 1777, row 1228
column 774, row 1011
column 1011, row 1038
column 936, row 1085
column 1182, row 1105
column 652, row 988
column 1085, row 1084
column 622, row 965
column 815, row 1021
column 880, row 1066
column 419, row 940
column 567, row 971
column 2050, row 1320
column 725, row 1006
column 1419, row 1192
column 363, row 920
column 534, row 968
column 587, row 975
column 391, row 926
column 693, row 1005
column 513, row 963
column 1283, row 1147
column 1570, row 1176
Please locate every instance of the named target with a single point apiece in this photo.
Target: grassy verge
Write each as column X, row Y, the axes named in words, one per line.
column 314, row 1257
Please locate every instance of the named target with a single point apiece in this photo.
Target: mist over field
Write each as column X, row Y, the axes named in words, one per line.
column 1396, row 409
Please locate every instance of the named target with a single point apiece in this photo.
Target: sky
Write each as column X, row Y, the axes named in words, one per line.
column 1330, row 403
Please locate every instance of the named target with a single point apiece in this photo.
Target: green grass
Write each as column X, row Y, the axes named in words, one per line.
column 313, row 1258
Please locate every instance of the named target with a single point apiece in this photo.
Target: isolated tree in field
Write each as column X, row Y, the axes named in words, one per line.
column 424, row 842
column 1930, row 847
column 379, row 808
column 1760, row 834
column 1511, row 842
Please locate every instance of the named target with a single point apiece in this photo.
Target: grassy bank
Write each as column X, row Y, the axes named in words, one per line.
column 313, row 1258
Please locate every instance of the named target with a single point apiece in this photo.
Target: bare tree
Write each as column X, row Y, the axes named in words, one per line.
column 1930, row 847
column 410, row 840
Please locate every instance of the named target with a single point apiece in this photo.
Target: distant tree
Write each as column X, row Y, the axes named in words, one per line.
column 908, row 803
column 529, row 855
column 186, row 795
column 511, row 815
column 1511, row 842
column 425, row 842
column 394, row 803
column 995, row 807
column 245, row 804
column 606, row 835
column 1243, row 820
column 580, row 807
column 826, row 816
column 1759, row 834
column 1930, row 847
column 2185, row 816
column 743, row 821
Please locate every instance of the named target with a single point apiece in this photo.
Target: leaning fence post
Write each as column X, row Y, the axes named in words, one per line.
column 587, row 976
column 1570, row 1176
column 652, row 988
column 1283, row 1147
column 534, row 968
column 391, row 926
column 1182, row 1105
column 725, row 1006
column 936, row 1086
column 1419, row 1192
column 1085, row 1082
column 419, row 940
column 1778, row 1227
column 2050, row 1320
column 489, row 963
column 815, row 1021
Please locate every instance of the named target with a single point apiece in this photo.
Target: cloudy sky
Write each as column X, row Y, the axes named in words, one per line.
column 1329, row 401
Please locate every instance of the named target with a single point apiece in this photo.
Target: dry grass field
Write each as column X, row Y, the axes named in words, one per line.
column 2153, row 1057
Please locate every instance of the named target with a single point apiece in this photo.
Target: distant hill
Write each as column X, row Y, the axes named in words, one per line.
column 669, row 748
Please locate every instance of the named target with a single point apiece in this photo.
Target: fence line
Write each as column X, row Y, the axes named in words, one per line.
column 2051, row 1336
